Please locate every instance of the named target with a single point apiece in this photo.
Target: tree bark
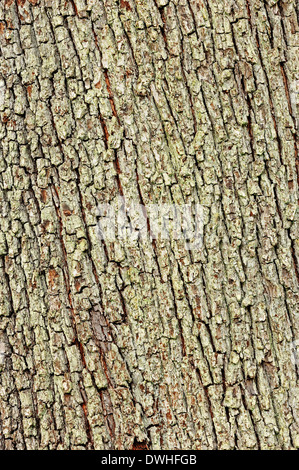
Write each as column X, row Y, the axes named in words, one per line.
column 148, row 345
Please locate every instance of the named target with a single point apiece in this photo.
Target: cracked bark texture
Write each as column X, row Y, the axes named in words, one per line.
column 147, row 345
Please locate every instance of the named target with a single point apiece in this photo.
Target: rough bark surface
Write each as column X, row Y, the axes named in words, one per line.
column 148, row 345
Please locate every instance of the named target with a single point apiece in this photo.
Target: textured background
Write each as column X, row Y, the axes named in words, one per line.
column 147, row 345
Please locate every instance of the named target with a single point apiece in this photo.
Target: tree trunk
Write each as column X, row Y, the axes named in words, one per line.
column 146, row 344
